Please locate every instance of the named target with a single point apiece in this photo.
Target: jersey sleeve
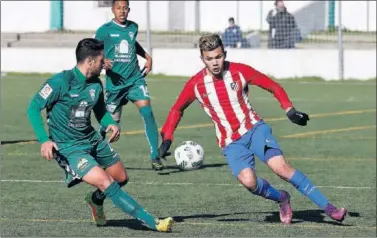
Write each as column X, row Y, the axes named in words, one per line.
column 254, row 77
column 100, row 33
column 100, row 112
column 48, row 94
column 185, row 98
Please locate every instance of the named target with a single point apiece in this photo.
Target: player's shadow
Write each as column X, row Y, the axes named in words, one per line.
column 149, row 168
column 184, row 218
column 9, row 142
column 176, row 169
column 317, row 216
column 271, row 217
column 137, row 225
column 133, row 224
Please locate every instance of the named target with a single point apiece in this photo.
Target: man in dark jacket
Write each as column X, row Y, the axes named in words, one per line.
column 282, row 32
column 232, row 36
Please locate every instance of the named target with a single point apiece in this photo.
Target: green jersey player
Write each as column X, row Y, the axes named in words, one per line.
column 69, row 97
column 124, row 80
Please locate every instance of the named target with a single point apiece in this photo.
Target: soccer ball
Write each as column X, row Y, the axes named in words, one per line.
column 189, row 155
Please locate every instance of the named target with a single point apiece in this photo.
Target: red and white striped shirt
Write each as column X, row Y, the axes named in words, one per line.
column 225, row 101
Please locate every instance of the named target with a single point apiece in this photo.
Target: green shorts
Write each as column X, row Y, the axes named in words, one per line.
column 135, row 92
column 78, row 162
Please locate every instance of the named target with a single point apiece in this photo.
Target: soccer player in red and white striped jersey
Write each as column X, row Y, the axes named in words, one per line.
column 221, row 88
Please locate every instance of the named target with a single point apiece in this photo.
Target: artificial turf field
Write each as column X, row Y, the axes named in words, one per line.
column 337, row 150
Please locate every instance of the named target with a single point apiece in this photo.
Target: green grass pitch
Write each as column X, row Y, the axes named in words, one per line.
column 337, row 150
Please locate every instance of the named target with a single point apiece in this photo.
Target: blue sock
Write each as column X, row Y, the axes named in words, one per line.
column 151, row 130
column 128, row 205
column 264, row 189
column 306, row 187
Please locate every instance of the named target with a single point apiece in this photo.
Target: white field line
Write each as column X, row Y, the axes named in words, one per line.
column 217, row 224
column 173, row 184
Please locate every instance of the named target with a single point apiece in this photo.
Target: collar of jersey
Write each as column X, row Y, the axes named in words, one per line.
column 80, row 78
column 117, row 24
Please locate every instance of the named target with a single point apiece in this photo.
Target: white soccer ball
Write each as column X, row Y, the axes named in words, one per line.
column 189, row 155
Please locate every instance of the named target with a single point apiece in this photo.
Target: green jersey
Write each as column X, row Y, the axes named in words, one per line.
column 120, row 47
column 69, row 99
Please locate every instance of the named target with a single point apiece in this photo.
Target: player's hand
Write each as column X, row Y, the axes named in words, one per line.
column 115, row 134
column 163, row 151
column 147, row 67
column 108, row 64
column 299, row 118
column 47, row 150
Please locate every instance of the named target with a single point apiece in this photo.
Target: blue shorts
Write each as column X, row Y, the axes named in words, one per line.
column 258, row 141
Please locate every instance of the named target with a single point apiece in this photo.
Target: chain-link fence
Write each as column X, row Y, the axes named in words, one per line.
column 241, row 24
column 260, row 24
column 179, row 24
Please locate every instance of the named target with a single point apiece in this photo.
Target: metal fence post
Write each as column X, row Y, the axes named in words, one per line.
column 367, row 16
column 340, row 42
column 148, row 31
column 197, row 16
column 238, row 12
column 261, row 17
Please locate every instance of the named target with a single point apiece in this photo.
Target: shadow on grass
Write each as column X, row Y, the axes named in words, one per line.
column 184, row 218
column 137, row 225
column 10, row 142
column 316, row 216
column 133, row 224
column 174, row 169
column 178, row 170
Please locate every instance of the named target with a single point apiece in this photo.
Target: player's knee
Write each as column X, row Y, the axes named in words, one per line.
column 248, row 179
column 249, row 183
column 124, row 182
column 120, row 178
column 98, row 178
column 142, row 103
column 284, row 171
column 104, row 183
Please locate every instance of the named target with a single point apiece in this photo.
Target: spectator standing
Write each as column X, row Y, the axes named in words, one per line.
column 232, row 36
column 283, row 27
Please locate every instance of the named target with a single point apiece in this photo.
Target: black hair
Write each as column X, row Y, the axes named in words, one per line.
column 276, row 2
column 88, row 47
column 127, row 1
column 231, row 19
